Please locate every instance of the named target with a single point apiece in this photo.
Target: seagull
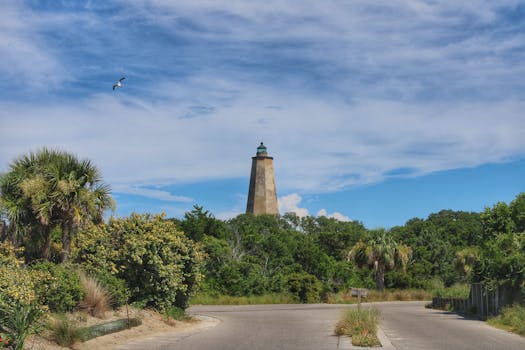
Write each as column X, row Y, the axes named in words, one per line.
column 118, row 84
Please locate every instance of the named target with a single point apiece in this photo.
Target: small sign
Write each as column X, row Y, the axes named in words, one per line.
column 359, row 292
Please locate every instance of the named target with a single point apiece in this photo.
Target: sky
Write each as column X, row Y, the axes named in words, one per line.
column 376, row 111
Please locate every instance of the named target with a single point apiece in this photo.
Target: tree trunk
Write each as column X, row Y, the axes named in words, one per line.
column 66, row 241
column 46, row 252
column 380, row 277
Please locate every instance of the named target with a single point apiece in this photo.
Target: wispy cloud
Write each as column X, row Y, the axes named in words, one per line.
column 343, row 93
column 151, row 193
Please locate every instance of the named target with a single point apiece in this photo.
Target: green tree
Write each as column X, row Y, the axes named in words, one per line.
column 51, row 188
column 161, row 265
column 382, row 253
column 466, row 259
column 199, row 223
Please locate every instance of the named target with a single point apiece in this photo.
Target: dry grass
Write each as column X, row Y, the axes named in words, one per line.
column 206, row 299
column 361, row 325
column 387, row 295
column 97, row 299
column 63, row 330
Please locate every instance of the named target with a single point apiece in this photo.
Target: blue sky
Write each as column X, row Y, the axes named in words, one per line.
column 374, row 111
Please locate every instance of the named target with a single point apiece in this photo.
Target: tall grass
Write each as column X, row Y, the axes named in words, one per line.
column 97, row 299
column 63, row 330
column 207, row 299
column 457, row 291
column 375, row 295
column 512, row 318
column 361, row 325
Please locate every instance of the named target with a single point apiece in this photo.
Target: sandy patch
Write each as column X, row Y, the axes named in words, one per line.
column 153, row 324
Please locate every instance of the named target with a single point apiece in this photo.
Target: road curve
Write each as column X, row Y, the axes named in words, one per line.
column 407, row 325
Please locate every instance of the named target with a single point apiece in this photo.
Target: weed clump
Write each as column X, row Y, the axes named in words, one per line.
column 361, row 325
column 511, row 318
column 97, row 299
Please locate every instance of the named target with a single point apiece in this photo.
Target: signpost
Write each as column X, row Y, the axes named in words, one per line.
column 359, row 293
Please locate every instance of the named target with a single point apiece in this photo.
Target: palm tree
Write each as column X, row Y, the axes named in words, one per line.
column 49, row 189
column 381, row 252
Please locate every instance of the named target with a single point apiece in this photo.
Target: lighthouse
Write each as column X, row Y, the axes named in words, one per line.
column 262, row 195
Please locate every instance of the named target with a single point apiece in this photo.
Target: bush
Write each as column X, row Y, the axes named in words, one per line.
column 305, row 287
column 97, row 299
column 61, row 289
column 19, row 308
column 115, row 286
column 18, row 321
column 8, row 255
column 361, row 325
column 512, row 318
column 64, row 331
column 159, row 264
column 457, row 291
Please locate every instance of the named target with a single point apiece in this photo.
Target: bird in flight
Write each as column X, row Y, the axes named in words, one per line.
column 118, row 84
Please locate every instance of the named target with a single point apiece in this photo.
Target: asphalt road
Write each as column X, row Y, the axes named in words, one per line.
column 407, row 325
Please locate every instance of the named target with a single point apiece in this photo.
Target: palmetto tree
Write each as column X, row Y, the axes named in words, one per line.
column 382, row 253
column 52, row 188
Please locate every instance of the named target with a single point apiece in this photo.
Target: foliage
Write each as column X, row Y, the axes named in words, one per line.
column 19, row 320
column 116, row 288
column 511, row 318
column 502, row 261
column 49, row 189
column 97, row 299
column 361, row 325
column 159, row 264
column 305, row 287
column 345, row 297
column 199, row 223
column 382, row 253
column 9, row 255
column 64, row 330
column 61, row 289
column 456, row 291
column 19, row 309
column 221, row 299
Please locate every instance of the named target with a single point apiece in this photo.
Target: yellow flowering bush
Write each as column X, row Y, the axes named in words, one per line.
column 19, row 306
column 160, row 265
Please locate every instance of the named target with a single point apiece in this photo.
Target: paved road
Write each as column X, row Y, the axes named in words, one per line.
column 407, row 325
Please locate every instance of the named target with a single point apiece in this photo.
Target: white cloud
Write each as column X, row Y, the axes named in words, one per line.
column 290, row 204
column 362, row 90
column 335, row 215
column 151, row 193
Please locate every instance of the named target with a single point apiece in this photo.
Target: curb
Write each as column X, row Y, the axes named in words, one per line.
column 345, row 343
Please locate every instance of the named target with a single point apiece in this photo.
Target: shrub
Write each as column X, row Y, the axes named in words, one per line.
column 160, row 265
column 61, row 289
column 64, row 330
column 512, row 318
column 361, row 325
column 19, row 308
column 8, row 255
column 18, row 321
column 97, row 299
column 458, row 291
column 115, row 286
column 305, row 287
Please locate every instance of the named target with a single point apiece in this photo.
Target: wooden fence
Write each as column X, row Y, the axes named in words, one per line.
column 481, row 302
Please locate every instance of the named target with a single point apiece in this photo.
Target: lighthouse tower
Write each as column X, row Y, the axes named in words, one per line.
column 262, row 196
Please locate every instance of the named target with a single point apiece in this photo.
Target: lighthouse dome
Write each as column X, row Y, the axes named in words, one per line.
column 261, row 150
